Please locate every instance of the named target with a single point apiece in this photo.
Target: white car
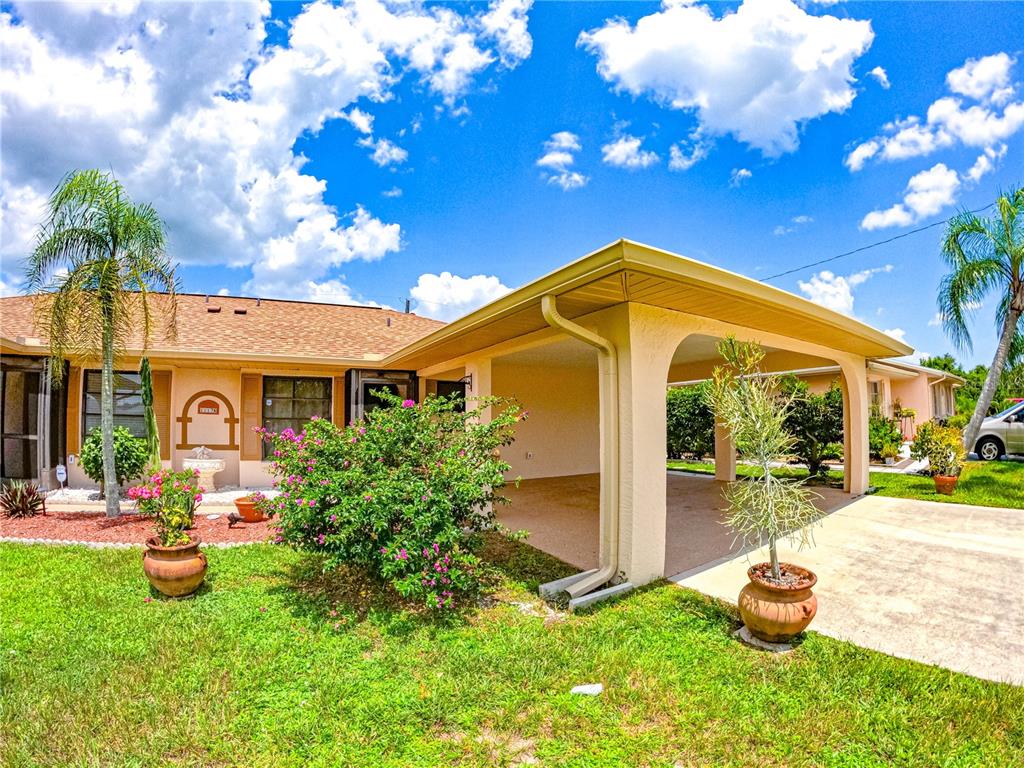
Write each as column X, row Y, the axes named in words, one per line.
column 1002, row 434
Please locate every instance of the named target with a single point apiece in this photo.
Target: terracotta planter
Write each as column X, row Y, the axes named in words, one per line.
column 248, row 510
column 175, row 571
column 777, row 614
column 945, row 484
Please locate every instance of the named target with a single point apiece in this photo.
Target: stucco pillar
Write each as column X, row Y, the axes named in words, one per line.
column 644, row 344
column 856, row 406
column 725, row 454
column 480, row 371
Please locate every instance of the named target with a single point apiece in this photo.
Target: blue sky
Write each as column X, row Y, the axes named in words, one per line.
column 306, row 153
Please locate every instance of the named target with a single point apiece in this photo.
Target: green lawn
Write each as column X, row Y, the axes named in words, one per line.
column 985, row 483
column 256, row 670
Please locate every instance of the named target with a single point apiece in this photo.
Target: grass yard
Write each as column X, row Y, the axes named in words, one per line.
column 984, row 483
column 273, row 664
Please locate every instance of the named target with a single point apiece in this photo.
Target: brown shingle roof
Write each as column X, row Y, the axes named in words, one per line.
column 244, row 327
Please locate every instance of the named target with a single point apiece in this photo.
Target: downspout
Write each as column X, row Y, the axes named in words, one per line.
column 607, row 362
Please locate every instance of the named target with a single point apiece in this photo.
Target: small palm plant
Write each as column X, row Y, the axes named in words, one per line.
column 98, row 259
column 754, row 408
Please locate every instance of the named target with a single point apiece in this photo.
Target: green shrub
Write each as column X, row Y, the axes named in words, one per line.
column 130, row 455
column 816, row 423
column 21, row 499
column 690, row 422
column 400, row 493
column 943, row 447
column 885, row 438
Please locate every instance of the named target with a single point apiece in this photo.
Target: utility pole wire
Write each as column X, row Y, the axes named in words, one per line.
column 867, row 247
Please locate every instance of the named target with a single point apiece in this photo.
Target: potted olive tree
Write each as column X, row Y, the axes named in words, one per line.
column 777, row 603
column 943, row 447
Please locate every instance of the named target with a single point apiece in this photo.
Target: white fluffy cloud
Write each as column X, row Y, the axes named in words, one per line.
column 927, row 193
column 949, row 121
column 557, row 161
column 682, row 156
column 985, row 79
column 447, row 296
column 196, row 114
column 626, row 152
column 757, row 73
column 836, row 291
column 385, row 152
column 794, row 224
column 738, row 176
column 881, row 76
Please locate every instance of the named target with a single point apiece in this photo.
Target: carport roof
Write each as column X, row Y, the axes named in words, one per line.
column 630, row 271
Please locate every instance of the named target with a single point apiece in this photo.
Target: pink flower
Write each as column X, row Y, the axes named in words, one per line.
column 147, row 599
column 408, row 403
column 198, row 497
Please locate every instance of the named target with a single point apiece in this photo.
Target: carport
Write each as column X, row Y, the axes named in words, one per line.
column 589, row 350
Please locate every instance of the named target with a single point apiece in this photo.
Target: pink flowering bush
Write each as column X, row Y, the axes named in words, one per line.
column 170, row 498
column 402, row 493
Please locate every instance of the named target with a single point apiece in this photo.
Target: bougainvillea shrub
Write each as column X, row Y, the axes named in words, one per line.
column 400, row 493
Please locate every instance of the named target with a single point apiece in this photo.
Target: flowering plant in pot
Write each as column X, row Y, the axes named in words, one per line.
column 777, row 603
column 172, row 561
column 943, row 447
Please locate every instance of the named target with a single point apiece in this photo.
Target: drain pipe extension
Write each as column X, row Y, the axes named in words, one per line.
column 609, row 504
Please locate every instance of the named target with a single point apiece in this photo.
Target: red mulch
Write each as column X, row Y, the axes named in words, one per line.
column 126, row 529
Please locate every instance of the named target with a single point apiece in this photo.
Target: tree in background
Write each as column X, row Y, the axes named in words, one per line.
column 986, row 255
column 690, row 422
column 98, row 258
column 815, row 421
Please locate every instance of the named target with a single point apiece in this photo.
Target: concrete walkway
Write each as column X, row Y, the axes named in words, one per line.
column 937, row 583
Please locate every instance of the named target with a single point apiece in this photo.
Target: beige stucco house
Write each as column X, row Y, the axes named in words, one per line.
column 896, row 387
column 588, row 349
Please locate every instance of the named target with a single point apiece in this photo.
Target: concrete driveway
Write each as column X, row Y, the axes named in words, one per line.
column 937, row 583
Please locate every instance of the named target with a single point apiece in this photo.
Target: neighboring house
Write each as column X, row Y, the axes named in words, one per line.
column 236, row 364
column 588, row 350
column 896, row 386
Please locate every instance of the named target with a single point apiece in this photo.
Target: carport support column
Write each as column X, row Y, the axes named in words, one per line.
column 644, row 346
column 725, row 454
column 855, row 425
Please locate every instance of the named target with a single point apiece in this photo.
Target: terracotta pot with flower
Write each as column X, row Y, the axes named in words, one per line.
column 172, row 561
column 943, row 447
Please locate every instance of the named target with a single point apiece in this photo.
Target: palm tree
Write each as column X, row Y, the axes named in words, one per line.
column 986, row 255
column 97, row 259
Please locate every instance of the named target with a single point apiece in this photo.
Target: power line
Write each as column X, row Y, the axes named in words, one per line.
column 868, row 247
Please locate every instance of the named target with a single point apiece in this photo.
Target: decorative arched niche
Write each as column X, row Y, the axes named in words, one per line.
column 212, row 396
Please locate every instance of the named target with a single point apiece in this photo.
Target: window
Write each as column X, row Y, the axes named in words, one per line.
column 128, row 410
column 876, row 393
column 291, row 401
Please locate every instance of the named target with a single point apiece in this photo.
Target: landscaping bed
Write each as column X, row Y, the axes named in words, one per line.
column 90, row 526
column 274, row 663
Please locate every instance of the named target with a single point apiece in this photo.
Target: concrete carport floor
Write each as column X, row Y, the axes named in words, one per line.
column 561, row 515
column 937, row 583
